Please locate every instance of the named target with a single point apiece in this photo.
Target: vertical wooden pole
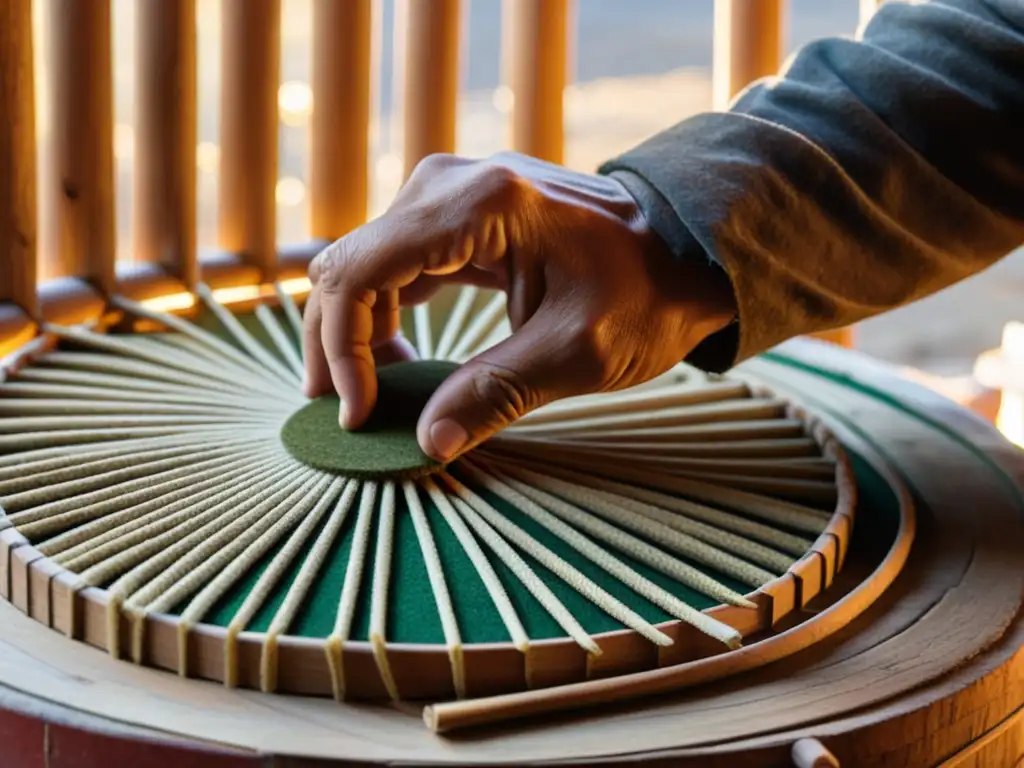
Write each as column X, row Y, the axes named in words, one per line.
column 431, row 81
column 164, row 204
column 867, row 10
column 80, row 190
column 17, row 157
column 536, row 62
column 250, row 67
column 339, row 125
column 747, row 45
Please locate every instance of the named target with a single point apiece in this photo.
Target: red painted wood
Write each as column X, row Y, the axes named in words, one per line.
column 22, row 741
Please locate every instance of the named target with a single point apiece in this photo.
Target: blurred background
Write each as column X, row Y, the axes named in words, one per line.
column 637, row 67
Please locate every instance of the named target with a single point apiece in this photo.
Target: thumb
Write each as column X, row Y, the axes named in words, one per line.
column 541, row 362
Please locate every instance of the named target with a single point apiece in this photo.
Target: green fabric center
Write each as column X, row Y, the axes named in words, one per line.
column 384, row 447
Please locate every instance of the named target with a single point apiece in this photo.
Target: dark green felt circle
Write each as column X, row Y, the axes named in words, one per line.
column 384, row 447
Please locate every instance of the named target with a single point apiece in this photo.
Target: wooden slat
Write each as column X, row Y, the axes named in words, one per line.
column 431, row 78
column 164, row 195
column 536, row 61
column 78, row 181
column 250, row 67
column 17, row 157
column 747, row 44
column 339, row 124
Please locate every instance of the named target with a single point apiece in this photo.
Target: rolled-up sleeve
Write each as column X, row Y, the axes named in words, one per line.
column 868, row 174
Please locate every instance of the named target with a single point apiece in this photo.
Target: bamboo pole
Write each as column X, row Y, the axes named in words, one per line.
column 339, row 137
column 18, row 224
column 164, row 204
column 250, row 66
column 431, row 79
column 747, row 45
column 79, row 190
column 536, row 63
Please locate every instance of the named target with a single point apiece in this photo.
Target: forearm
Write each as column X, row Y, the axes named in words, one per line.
column 868, row 175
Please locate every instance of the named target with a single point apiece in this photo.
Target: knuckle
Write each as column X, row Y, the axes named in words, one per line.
column 504, row 391
column 329, row 268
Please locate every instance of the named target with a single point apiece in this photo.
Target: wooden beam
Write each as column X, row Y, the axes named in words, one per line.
column 339, row 135
column 18, row 225
column 164, row 195
column 78, row 187
column 250, row 71
column 536, row 63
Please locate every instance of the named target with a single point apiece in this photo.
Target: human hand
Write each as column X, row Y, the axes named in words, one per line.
column 596, row 301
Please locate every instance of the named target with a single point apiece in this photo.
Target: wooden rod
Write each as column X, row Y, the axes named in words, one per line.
column 431, row 80
column 339, row 134
column 536, row 64
column 250, row 68
column 164, row 203
column 747, row 45
column 79, row 183
column 17, row 157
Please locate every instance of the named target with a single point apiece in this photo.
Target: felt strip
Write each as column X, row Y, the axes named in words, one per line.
column 649, row 590
column 350, row 589
column 478, row 326
column 381, row 583
column 751, row 529
column 616, row 537
column 456, row 320
column 291, row 311
column 151, row 497
column 299, row 588
column 82, row 547
column 697, row 541
column 442, row 598
column 482, row 565
column 424, row 333
column 557, row 565
column 282, row 343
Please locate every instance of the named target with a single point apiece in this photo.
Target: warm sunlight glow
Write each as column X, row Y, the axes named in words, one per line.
column 177, row 302
column 290, row 191
column 295, row 103
column 124, row 141
column 207, row 157
column 1003, row 369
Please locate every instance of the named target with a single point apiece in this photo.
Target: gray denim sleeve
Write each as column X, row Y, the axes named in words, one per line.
column 868, row 174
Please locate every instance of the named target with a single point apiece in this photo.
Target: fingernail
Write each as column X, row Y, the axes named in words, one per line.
column 448, row 437
column 343, row 414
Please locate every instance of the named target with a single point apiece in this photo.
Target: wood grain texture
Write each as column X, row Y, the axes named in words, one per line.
column 164, row 163
column 339, row 125
column 78, row 166
column 250, row 74
column 17, row 157
column 536, row 52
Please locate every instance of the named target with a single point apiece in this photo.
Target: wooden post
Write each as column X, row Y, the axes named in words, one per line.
column 250, row 67
column 431, row 80
column 164, row 203
column 747, row 45
column 17, row 157
column 536, row 63
column 339, row 134
column 80, row 187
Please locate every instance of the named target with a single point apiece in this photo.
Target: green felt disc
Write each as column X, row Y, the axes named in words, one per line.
column 384, row 447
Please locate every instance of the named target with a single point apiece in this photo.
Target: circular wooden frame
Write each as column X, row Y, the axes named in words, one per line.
column 931, row 670
column 48, row 593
